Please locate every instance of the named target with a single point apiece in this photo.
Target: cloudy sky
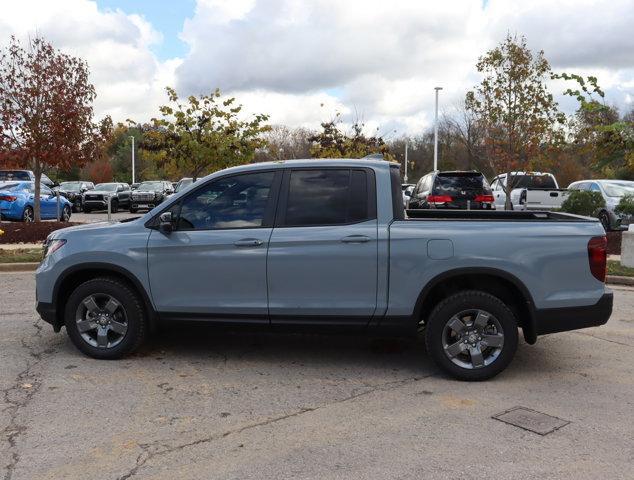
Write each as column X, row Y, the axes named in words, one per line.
column 303, row 60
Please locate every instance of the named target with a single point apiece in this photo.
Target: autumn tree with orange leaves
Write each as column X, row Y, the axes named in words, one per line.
column 45, row 109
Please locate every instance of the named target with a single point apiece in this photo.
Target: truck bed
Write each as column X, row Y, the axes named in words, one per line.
column 496, row 215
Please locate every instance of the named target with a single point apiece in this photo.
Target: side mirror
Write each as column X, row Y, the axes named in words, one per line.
column 165, row 222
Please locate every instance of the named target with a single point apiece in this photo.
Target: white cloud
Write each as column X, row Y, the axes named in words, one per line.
column 127, row 76
column 370, row 59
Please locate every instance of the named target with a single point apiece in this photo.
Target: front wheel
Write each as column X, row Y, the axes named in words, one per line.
column 471, row 335
column 65, row 215
column 604, row 218
column 105, row 319
column 27, row 215
column 114, row 206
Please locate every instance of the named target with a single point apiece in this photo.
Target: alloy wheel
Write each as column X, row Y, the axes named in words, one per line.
column 101, row 321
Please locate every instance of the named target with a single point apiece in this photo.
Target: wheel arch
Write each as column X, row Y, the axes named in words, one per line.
column 74, row 276
column 507, row 287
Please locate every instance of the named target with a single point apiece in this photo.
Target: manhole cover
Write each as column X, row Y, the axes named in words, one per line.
column 531, row 420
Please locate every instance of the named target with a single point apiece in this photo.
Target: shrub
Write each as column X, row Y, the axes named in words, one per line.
column 582, row 202
column 626, row 205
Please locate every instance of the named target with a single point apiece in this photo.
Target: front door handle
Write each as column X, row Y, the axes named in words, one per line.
column 355, row 239
column 248, row 242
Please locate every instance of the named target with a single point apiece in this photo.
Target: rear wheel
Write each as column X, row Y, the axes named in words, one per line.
column 65, row 215
column 133, row 210
column 105, row 318
column 471, row 335
column 114, row 206
column 27, row 215
column 86, row 209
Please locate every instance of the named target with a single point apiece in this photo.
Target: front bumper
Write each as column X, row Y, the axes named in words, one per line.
column 552, row 320
column 96, row 204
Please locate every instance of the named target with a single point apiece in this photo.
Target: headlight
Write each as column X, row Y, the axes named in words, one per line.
column 51, row 246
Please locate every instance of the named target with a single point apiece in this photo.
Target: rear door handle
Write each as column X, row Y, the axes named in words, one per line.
column 355, row 239
column 248, row 242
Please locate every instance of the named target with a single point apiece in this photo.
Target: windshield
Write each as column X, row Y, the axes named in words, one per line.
column 533, row 181
column 70, row 186
column 186, row 182
column 150, row 186
column 108, row 187
column 15, row 175
column 456, row 183
column 618, row 189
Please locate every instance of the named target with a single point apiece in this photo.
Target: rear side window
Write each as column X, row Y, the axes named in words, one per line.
column 455, row 184
column 327, row 197
column 533, row 181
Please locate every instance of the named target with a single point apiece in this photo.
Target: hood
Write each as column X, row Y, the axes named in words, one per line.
column 100, row 192
column 99, row 226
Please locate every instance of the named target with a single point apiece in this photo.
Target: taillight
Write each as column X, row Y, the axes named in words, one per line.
column 8, row 198
column 484, row 198
column 598, row 256
column 439, row 199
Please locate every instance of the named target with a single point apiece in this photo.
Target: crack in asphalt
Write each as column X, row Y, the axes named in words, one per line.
column 26, row 385
column 155, row 449
column 604, row 339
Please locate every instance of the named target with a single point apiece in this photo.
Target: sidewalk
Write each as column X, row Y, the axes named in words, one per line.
column 19, row 246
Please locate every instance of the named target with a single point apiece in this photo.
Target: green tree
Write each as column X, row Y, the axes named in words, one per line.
column 333, row 142
column 204, row 134
column 513, row 106
column 582, row 202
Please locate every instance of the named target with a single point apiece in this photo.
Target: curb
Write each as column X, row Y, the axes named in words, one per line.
column 619, row 280
column 19, row 267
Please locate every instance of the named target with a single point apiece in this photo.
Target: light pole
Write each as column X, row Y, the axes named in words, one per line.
column 132, row 158
column 436, row 131
column 405, row 176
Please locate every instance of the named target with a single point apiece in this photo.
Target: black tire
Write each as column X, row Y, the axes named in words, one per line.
column 65, row 214
column 456, row 304
column 28, row 215
column 133, row 210
column 604, row 218
column 114, row 206
column 86, row 210
column 130, row 303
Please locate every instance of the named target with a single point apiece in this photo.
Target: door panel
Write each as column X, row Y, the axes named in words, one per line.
column 323, row 271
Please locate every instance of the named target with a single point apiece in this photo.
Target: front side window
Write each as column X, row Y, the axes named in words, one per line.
column 327, row 197
column 238, row 201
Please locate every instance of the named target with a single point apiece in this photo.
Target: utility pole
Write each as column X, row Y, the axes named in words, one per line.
column 436, row 131
column 405, row 176
column 132, row 158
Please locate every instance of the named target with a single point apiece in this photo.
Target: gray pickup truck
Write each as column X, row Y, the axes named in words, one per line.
column 327, row 244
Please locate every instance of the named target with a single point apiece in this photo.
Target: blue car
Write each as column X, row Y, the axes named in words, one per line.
column 16, row 203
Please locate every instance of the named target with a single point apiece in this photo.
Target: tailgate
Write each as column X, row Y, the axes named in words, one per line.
column 544, row 199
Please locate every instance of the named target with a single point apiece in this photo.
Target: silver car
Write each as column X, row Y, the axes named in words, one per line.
column 612, row 192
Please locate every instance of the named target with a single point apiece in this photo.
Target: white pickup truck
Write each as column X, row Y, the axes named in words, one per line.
column 531, row 191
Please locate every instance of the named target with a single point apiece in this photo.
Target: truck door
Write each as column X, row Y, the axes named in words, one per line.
column 213, row 265
column 322, row 259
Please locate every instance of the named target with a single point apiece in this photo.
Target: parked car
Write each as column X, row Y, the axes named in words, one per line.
column 17, row 203
column 612, row 191
column 324, row 243
column 97, row 199
column 407, row 188
column 24, row 176
column 466, row 190
column 531, row 191
column 135, row 185
column 150, row 194
column 183, row 183
column 74, row 191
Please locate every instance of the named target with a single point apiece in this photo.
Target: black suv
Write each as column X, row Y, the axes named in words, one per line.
column 118, row 194
column 456, row 190
column 74, row 191
column 150, row 194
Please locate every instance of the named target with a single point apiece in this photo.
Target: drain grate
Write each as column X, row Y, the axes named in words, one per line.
column 531, row 420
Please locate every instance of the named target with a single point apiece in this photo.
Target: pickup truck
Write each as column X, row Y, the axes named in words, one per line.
column 531, row 191
column 326, row 244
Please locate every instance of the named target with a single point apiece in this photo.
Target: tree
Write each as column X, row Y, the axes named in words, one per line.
column 204, row 134
column 45, row 109
column 514, row 106
column 333, row 142
column 284, row 143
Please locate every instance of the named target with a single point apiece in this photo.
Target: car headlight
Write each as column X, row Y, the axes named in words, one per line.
column 51, row 246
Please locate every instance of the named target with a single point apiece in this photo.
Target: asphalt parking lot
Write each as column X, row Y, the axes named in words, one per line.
column 92, row 217
column 199, row 404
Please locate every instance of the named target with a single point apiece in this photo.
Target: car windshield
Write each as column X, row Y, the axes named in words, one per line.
column 12, row 187
column 70, row 186
column 14, row 175
column 454, row 183
column 184, row 184
column 533, row 181
column 150, row 186
column 108, row 187
column 618, row 189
